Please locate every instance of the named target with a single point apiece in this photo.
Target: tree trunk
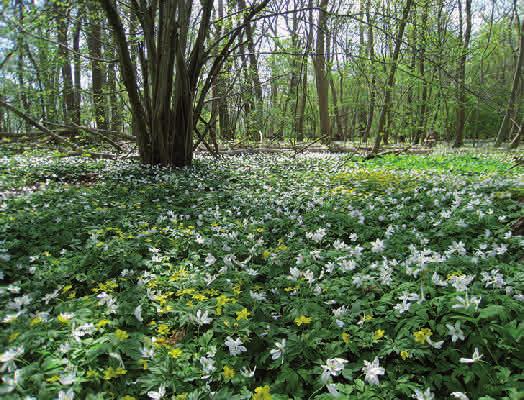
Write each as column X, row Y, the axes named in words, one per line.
column 372, row 91
column 78, row 66
column 94, row 44
column 505, row 127
column 24, row 103
column 391, row 77
column 68, row 104
column 319, row 62
column 461, row 89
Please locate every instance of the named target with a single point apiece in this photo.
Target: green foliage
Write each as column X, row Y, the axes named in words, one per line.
column 126, row 280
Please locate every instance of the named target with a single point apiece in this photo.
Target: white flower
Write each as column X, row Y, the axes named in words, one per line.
column 202, row 318
column 82, row 330
column 235, row 346
column 438, row 281
column 8, row 357
column 294, row 274
column 460, row 395
column 258, row 296
column 493, row 278
column 279, row 349
column 455, row 332
column 158, row 394
column 19, row 302
column 147, row 352
column 347, row 265
column 465, row 302
column 248, row 373
column 138, row 313
column 208, row 366
column 332, row 389
column 69, row 395
column 426, row 395
column 333, row 367
column 316, row 236
column 372, row 370
column 68, row 379
column 460, row 283
column 377, row 246
column 109, row 301
column 476, row 357
column 210, row 259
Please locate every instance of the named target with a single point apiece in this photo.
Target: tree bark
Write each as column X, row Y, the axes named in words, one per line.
column 98, row 81
column 68, row 95
column 319, row 62
column 391, row 77
column 461, row 87
column 505, row 127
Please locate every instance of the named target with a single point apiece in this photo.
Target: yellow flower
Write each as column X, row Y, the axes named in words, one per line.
column 181, row 396
column 175, row 353
column 121, row 335
column 13, row 336
column 53, row 379
column 243, row 314
column 67, row 288
column 199, row 297
column 102, row 323
column 91, row 373
column 128, row 397
column 163, row 329
column 229, row 372
column 36, row 321
column 379, row 334
column 64, row 318
column 110, row 372
column 262, row 393
column 266, row 254
column 422, row 335
column 302, row 320
column 404, row 354
column 366, row 318
column 143, row 361
column 345, row 337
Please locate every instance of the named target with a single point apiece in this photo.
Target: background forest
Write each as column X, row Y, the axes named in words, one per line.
column 363, row 71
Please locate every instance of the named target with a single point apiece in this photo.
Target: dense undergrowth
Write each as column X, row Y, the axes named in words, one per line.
column 264, row 277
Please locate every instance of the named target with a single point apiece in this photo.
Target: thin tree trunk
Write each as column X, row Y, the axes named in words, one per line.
column 78, row 66
column 505, row 127
column 67, row 73
column 319, row 62
column 391, row 77
column 461, row 89
column 94, row 43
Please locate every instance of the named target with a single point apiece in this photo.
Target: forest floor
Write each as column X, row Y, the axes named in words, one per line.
column 262, row 277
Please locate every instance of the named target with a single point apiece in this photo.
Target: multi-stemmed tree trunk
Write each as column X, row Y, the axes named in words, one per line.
column 461, row 83
column 511, row 110
column 390, row 83
column 321, row 79
column 164, row 113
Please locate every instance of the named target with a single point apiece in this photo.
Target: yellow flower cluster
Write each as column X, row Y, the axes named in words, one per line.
column 262, row 393
column 228, row 372
column 422, row 335
column 302, row 320
column 110, row 373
